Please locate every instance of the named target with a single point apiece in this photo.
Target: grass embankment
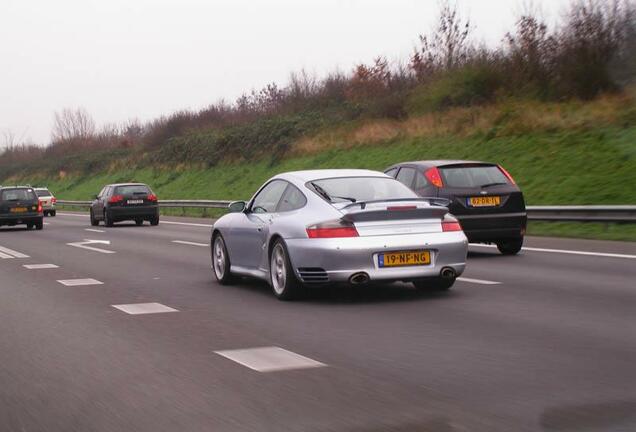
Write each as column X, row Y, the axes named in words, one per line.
column 559, row 153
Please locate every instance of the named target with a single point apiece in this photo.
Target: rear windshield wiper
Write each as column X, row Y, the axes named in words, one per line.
column 328, row 197
column 492, row 184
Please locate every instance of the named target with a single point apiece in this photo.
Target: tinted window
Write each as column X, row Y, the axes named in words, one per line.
column 472, row 176
column 347, row 189
column 405, row 176
column 43, row 193
column 420, row 182
column 132, row 190
column 17, row 195
column 391, row 172
column 267, row 199
column 293, row 199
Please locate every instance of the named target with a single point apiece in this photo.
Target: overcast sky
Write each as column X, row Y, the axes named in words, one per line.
column 123, row 59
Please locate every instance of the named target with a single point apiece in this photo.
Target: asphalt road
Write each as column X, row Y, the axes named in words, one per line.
column 548, row 345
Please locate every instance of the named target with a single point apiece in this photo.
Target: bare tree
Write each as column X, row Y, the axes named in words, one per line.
column 73, row 125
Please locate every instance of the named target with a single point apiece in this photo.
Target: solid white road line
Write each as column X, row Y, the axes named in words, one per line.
column 565, row 251
column 186, row 223
column 74, row 214
column 94, row 230
column 39, row 266
column 190, row 243
column 80, row 282
column 478, row 281
column 144, row 308
column 12, row 254
column 269, row 359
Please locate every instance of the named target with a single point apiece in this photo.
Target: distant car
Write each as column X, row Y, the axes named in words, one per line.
column 337, row 226
column 123, row 202
column 48, row 201
column 483, row 196
column 19, row 205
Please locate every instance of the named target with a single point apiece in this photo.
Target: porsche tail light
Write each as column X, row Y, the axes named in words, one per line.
column 332, row 229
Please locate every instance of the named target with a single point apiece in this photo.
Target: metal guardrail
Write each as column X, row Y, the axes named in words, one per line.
column 589, row 213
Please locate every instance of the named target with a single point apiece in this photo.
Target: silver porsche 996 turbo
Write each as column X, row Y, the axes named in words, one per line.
column 338, row 226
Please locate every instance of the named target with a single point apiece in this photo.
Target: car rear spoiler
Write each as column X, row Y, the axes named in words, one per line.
column 439, row 202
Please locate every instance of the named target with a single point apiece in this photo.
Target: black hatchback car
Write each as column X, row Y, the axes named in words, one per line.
column 123, row 202
column 483, row 196
column 19, row 205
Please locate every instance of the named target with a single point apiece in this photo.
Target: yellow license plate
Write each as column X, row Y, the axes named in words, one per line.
column 18, row 210
column 485, row 201
column 409, row 258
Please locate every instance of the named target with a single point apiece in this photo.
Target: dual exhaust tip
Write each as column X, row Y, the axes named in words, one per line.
column 361, row 278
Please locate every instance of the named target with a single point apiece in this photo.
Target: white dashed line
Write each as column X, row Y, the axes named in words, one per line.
column 269, row 359
column 10, row 253
column 94, row 230
column 478, row 281
column 40, row 266
column 144, row 308
column 565, row 251
column 190, row 243
column 80, row 282
column 186, row 223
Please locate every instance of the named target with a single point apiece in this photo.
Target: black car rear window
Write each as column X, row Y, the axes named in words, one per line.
column 132, row 190
column 17, row 195
column 472, row 176
column 43, row 193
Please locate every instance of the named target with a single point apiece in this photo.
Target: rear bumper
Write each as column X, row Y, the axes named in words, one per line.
column 336, row 260
column 490, row 228
column 124, row 213
column 25, row 218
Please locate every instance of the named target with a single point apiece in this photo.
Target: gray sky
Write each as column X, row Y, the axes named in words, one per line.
column 123, row 59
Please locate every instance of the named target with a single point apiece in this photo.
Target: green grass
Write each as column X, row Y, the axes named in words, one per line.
column 574, row 167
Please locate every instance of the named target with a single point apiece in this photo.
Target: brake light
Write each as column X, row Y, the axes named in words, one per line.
column 39, row 207
column 152, row 197
column 451, row 225
column 115, row 199
column 433, row 176
column 507, row 174
column 333, row 229
column 398, row 208
column 54, row 200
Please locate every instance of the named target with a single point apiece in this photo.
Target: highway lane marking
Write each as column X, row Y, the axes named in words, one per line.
column 6, row 253
column 478, row 281
column 73, row 214
column 269, row 359
column 191, row 243
column 79, row 282
column 85, row 245
column 565, row 251
column 94, row 230
column 144, row 308
column 186, row 223
column 40, row 266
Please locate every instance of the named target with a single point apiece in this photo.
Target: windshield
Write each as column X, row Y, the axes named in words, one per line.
column 352, row 189
column 17, row 195
column 42, row 193
column 472, row 176
column 132, row 190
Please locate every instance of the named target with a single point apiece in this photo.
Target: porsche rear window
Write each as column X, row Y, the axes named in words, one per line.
column 360, row 189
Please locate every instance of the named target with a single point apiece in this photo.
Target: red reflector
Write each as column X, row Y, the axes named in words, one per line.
column 398, row 208
column 332, row 232
column 116, row 199
column 507, row 174
column 451, row 226
column 152, row 197
column 433, row 175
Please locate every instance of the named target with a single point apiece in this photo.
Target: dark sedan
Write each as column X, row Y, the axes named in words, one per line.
column 125, row 202
column 483, row 196
column 19, row 205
